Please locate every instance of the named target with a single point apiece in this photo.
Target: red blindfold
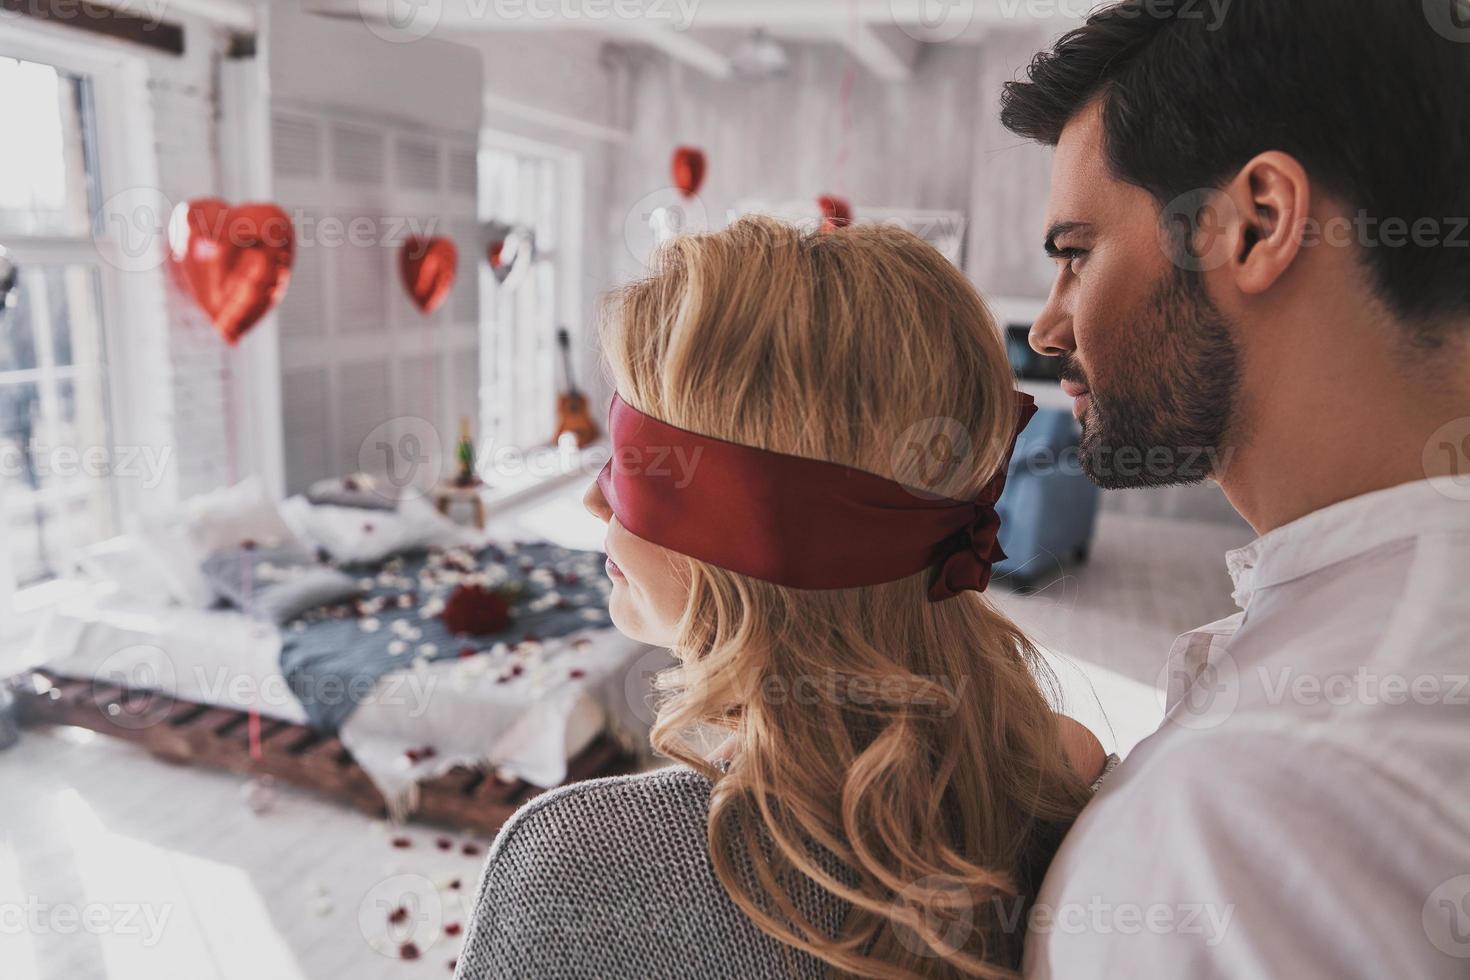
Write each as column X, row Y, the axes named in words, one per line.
column 798, row 522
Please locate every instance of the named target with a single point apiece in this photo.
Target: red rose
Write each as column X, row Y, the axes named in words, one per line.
column 476, row 610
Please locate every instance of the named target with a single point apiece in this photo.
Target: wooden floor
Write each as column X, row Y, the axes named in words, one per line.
column 93, row 830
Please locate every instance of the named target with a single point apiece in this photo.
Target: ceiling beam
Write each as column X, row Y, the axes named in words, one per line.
column 661, row 28
column 681, row 46
column 886, row 52
column 679, row 16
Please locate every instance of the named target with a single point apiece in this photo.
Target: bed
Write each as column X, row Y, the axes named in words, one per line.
column 454, row 735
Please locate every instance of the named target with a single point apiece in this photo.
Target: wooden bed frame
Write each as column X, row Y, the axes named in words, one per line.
column 189, row 732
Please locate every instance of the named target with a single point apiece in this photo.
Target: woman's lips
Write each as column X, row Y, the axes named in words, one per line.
column 1073, row 390
column 613, row 571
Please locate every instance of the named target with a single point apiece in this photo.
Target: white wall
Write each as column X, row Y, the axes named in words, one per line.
column 1009, row 179
column 906, row 145
column 933, row 142
column 184, row 98
column 555, row 90
column 379, row 136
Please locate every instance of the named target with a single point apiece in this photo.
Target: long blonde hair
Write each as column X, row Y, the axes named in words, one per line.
column 924, row 757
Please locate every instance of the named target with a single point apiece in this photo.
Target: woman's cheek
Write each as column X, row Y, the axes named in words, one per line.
column 648, row 596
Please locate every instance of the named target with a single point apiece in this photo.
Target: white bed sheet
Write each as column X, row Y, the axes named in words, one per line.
column 224, row 658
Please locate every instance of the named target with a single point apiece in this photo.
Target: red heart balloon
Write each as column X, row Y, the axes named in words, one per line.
column 427, row 266
column 836, row 212
column 235, row 262
column 688, row 170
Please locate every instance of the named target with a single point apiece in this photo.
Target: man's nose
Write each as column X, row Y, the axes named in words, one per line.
column 1051, row 334
column 596, row 503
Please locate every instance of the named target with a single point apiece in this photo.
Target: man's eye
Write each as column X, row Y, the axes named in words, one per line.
column 1070, row 257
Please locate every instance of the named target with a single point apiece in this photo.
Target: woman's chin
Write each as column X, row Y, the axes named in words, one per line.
column 630, row 619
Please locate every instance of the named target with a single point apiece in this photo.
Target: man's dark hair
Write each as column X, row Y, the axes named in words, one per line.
column 1372, row 97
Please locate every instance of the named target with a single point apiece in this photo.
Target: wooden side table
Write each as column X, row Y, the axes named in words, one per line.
column 446, row 495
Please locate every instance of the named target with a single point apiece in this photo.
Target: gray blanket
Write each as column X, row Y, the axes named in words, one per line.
column 334, row 656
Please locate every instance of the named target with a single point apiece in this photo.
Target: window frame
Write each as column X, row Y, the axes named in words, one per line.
column 566, row 258
column 131, row 305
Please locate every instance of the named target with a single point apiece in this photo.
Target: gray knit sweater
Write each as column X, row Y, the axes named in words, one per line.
column 611, row 878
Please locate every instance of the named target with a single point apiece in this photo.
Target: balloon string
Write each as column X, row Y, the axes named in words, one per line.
column 232, row 475
column 431, row 376
column 677, row 88
column 844, row 101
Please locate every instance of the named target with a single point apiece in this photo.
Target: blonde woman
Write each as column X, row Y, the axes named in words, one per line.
column 807, row 439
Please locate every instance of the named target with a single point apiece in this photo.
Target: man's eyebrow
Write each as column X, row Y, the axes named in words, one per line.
column 1058, row 229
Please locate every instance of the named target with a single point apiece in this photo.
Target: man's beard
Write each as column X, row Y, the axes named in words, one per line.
column 1168, row 397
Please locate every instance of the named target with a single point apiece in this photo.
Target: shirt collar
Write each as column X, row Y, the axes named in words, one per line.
column 1346, row 529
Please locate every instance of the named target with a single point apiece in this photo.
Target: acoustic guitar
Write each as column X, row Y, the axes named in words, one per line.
column 571, row 405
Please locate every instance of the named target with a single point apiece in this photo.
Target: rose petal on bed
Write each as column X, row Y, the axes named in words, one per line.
column 444, row 843
column 576, row 673
column 452, row 929
column 408, row 951
column 469, row 848
column 402, row 842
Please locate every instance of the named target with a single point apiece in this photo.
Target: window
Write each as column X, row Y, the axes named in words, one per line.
column 55, row 447
column 525, row 190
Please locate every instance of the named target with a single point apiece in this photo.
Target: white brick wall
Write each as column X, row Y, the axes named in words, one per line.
column 186, row 118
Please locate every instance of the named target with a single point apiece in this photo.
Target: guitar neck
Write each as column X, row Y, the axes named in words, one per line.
column 564, row 340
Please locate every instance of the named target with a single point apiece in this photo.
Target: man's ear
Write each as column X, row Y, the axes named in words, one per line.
column 1271, row 198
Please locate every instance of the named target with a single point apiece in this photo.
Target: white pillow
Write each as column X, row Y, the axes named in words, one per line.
column 134, row 568
column 175, row 549
column 180, row 561
column 225, row 519
column 352, row 535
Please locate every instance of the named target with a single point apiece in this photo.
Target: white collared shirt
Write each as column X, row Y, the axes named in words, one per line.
column 1304, row 809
